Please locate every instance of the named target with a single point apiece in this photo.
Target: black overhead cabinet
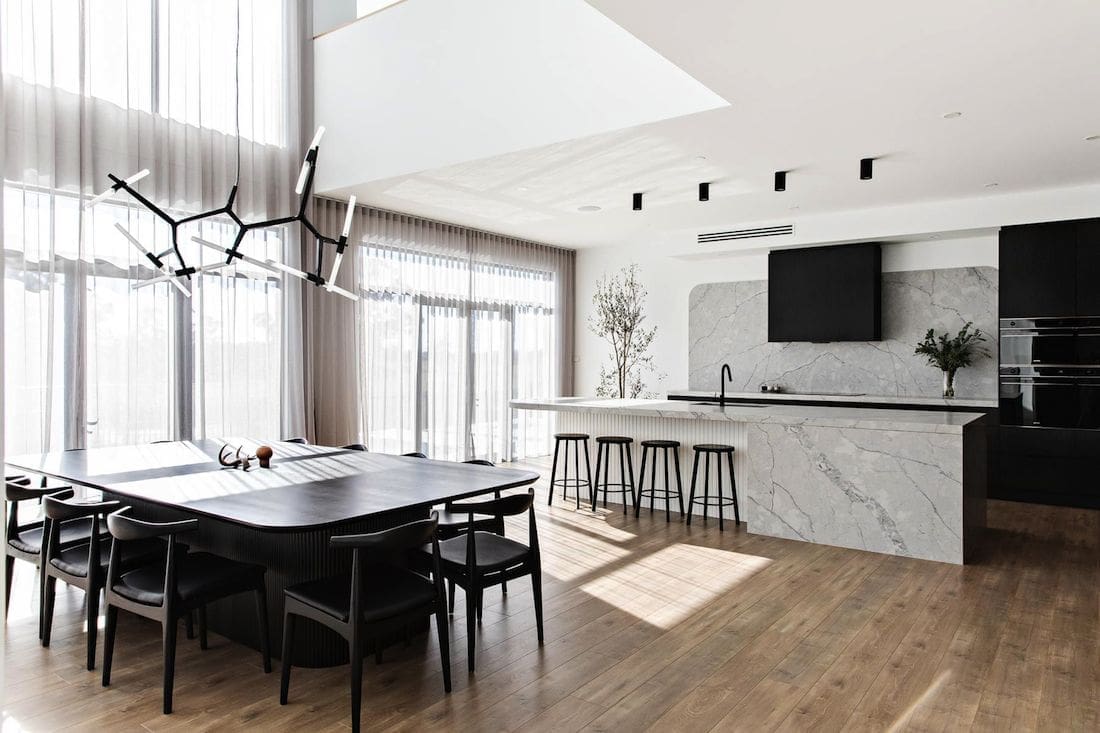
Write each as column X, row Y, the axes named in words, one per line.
column 1049, row 443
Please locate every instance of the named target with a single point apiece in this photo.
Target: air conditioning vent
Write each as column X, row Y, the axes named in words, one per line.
column 776, row 231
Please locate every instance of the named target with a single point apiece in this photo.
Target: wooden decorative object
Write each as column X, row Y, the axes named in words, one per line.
column 264, row 453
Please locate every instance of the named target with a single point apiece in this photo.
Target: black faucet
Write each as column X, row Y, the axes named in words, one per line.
column 725, row 370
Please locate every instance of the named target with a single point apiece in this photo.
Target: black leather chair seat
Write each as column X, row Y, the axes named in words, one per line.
column 493, row 551
column 74, row 560
column 390, row 592
column 198, row 575
column 455, row 519
column 73, row 532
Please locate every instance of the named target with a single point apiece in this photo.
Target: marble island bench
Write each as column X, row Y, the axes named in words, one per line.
column 903, row 482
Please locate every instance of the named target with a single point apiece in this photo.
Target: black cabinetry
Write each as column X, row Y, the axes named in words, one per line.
column 1038, row 270
column 1050, row 271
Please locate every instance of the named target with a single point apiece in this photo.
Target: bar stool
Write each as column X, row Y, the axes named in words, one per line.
column 665, row 446
column 626, row 469
column 717, row 450
column 576, row 440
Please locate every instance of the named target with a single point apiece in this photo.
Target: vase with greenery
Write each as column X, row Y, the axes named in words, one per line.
column 618, row 318
column 951, row 353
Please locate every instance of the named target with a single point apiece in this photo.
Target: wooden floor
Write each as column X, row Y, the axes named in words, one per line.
column 655, row 626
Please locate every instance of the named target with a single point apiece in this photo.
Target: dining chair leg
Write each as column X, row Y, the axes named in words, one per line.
column 202, row 628
column 536, row 592
column 189, row 623
column 109, row 643
column 49, row 594
column 451, row 597
column 93, row 624
column 480, row 604
column 471, row 626
column 289, row 620
column 169, row 661
column 355, row 652
column 444, row 645
column 264, row 627
column 9, row 567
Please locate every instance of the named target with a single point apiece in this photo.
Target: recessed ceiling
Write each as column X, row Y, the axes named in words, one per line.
column 812, row 87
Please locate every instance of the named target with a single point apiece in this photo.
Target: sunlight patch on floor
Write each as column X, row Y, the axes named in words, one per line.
column 568, row 553
column 669, row 585
column 928, row 694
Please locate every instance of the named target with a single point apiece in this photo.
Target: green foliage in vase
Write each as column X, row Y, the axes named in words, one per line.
column 950, row 354
column 618, row 318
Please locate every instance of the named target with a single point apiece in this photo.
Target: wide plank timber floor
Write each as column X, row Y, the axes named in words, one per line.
column 653, row 626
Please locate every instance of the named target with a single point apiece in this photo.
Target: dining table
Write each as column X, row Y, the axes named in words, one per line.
column 281, row 517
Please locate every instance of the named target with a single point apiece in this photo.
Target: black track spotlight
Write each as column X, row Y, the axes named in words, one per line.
column 637, row 202
column 704, row 192
column 780, row 181
column 865, row 169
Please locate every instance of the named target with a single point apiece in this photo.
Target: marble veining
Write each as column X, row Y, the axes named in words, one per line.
column 728, row 323
column 866, row 489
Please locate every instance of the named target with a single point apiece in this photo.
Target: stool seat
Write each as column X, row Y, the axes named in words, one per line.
column 660, row 444
column 614, row 440
column 714, row 448
column 570, row 436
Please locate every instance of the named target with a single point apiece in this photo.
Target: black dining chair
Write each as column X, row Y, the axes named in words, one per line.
column 479, row 560
column 25, row 542
column 377, row 599
column 414, row 454
column 299, row 441
column 83, row 566
column 356, row 446
column 452, row 524
column 169, row 589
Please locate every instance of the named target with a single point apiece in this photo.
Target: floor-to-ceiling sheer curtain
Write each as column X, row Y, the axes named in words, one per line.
column 452, row 324
column 90, row 87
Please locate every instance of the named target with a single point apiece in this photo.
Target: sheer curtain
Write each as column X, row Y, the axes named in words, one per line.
column 98, row 86
column 452, row 324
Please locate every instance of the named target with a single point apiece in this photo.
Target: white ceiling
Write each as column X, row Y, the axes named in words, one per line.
column 812, row 87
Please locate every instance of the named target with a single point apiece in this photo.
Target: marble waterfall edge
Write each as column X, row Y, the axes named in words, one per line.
column 900, row 494
column 728, row 323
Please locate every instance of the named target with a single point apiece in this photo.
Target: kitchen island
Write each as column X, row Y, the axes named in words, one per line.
column 903, row 482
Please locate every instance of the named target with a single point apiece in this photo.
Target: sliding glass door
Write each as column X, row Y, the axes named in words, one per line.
column 445, row 356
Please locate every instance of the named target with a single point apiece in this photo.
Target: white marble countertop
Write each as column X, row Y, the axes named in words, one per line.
column 840, row 416
column 877, row 399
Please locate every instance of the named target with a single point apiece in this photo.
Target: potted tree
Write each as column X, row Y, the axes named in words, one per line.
column 618, row 318
column 949, row 354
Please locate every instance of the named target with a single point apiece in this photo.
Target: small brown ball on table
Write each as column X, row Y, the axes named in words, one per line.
column 264, row 453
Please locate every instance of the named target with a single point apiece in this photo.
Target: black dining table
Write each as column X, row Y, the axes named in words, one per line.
column 280, row 517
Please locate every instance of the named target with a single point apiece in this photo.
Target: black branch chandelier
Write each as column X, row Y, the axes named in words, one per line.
column 175, row 276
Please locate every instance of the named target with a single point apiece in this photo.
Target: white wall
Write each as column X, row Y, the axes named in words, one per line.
column 670, row 279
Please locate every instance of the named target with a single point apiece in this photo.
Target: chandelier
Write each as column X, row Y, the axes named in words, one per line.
column 183, row 271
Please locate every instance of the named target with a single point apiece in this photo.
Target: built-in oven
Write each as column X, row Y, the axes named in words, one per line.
column 1054, row 342
column 1050, row 372
column 1050, row 397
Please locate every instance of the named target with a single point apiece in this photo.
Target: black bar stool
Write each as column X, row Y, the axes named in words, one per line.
column 625, row 485
column 717, row 450
column 665, row 446
column 576, row 440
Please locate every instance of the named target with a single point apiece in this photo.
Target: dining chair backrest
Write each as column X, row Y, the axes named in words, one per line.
column 15, row 492
column 300, row 441
column 61, row 507
column 355, row 446
column 127, row 529
column 385, row 546
column 480, row 462
column 414, row 454
column 504, row 506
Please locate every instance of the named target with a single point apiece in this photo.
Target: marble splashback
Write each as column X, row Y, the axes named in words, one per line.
column 728, row 323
